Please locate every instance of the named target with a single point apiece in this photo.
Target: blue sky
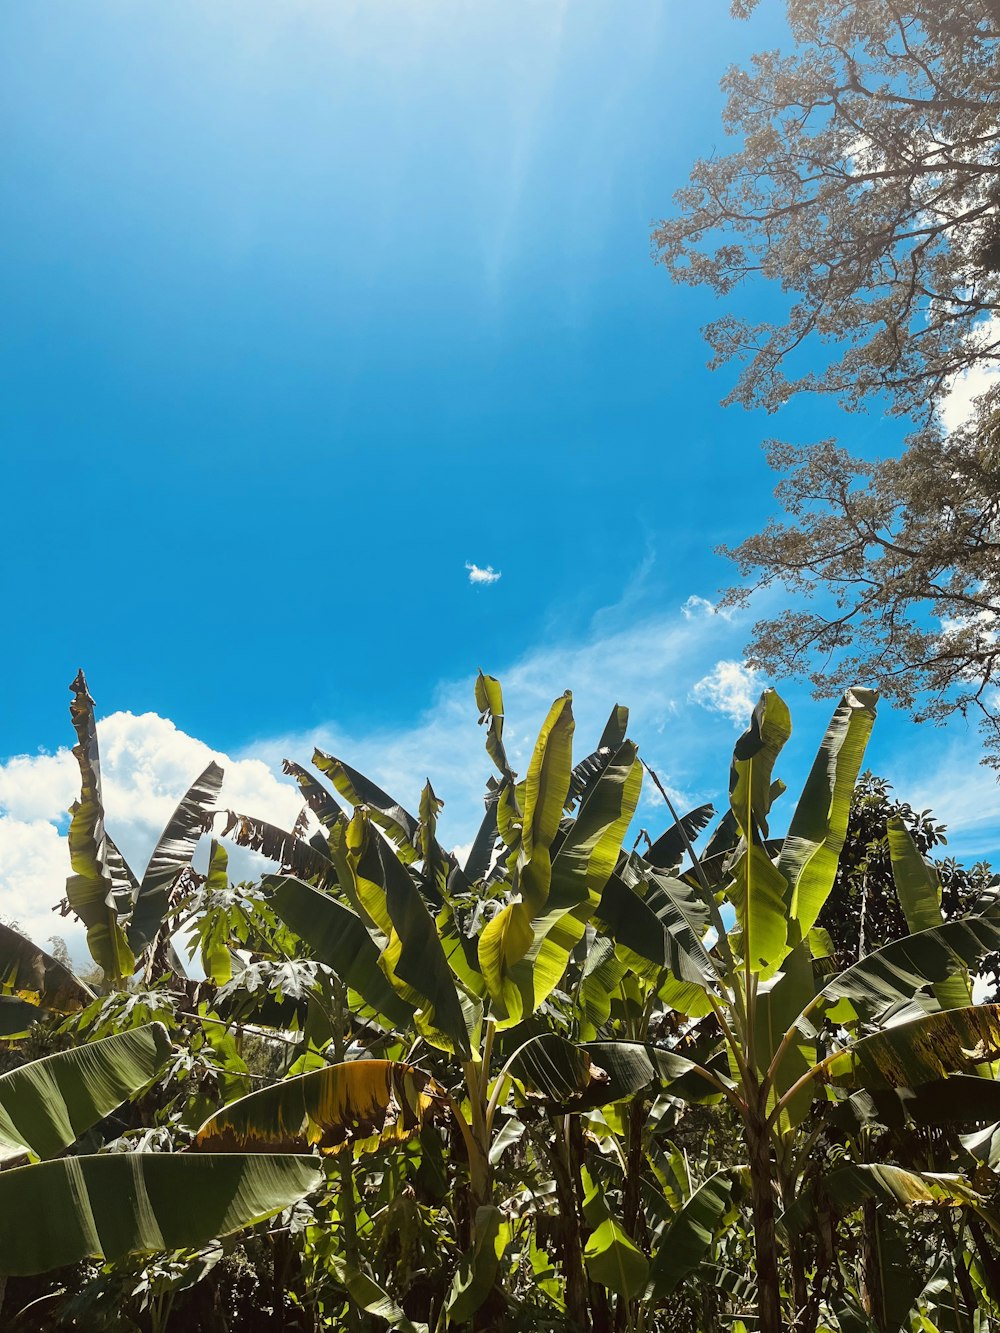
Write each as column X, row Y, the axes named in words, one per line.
column 310, row 305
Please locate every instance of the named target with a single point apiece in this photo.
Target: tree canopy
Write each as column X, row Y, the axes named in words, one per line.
column 865, row 185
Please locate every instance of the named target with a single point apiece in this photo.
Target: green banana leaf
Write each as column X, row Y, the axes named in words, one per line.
column 815, row 838
column 585, row 1075
column 47, row 1104
column 506, row 939
column 750, row 782
column 414, row 958
column 689, row 1235
column 338, row 937
column 90, row 889
column 29, row 973
column 847, row 1187
column 17, row 1016
column 365, row 1292
column 667, row 852
column 107, row 1206
column 524, row 958
column 757, row 888
column 919, row 891
column 324, row 806
column 580, row 870
column 480, row 858
column 212, row 938
column 546, row 786
column 902, row 968
column 612, row 1258
column 958, row 1099
column 359, row 1106
column 756, row 891
column 477, row 1270
column 489, row 701
column 779, row 1005
column 922, row 1050
column 664, row 929
column 588, row 770
column 171, row 854
column 400, row 826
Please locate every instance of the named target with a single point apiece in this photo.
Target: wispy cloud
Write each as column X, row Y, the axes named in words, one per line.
column 679, row 673
column 730, row 688
column 482, row 574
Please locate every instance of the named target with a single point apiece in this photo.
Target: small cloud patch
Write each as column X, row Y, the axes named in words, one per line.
column 485, row 575
column 730, row 688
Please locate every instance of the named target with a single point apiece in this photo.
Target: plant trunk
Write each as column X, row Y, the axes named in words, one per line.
column 872, row 1288
column 765, row 1240
column 797, row 1268
column 632, row 1214
column 570, row 1235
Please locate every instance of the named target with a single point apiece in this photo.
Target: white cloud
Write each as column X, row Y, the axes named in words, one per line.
column 651, row 665
column 730, row 688
column 485, row 575
column 963, row 389
column 658, row 666
column 146, row 766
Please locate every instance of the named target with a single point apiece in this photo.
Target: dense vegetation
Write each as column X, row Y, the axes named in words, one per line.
column 570, row 1083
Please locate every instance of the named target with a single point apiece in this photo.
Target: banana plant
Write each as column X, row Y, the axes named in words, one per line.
column 457, row 955
column 736, row 951
column 124, row 915
column 61, row 1209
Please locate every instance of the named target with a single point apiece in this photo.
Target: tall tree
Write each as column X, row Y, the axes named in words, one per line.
column 866, row 185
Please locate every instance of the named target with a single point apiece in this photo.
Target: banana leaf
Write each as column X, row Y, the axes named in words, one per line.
column 172, row 854
column 477, row 1270
column 751, row 790
column 667, row 852
column 400, row 826
column 612, row 1258
column 324, row 806
column 107, row 1206
column 47, row 1104
column 811, row 850
column 90, row 889
column 664, row 928
column 365, row 1292
column 292, row 853
column 689, row 1234
column 588, row 770
column 919, row 891
column 28, row 972
column 489, row 701
column 524, row 957
column 546, row 785
column 580, row 870
column 359, row 1106
column 414, row 958
column 338, row 938
column 901, row 969
column 583, row 1076
column 957, row 1099
column 17, row 1016
column 847, row 1187
column 921, row 1050
column 481, row 853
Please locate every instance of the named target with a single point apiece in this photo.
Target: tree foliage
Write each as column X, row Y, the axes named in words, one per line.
column 865, row 186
